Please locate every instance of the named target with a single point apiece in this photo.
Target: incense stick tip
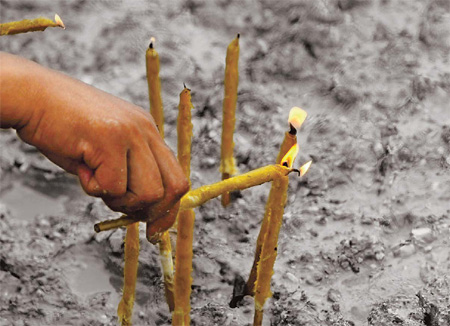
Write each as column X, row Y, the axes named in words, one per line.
column 238, row 35
column 304, row 168
column 292, row 129
column 59, row 21
column 96, row 228
column 152, row 40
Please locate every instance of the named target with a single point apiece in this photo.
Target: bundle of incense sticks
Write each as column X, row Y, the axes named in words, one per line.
column 178, row 284
column 178, row 288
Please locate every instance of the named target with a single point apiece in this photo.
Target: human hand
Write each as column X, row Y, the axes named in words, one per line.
column 113, row 146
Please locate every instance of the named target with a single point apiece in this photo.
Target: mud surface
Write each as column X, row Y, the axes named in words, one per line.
column 365, row 238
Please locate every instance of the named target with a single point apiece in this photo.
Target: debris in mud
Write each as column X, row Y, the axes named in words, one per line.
column 238, row 291
column 353, row 252
column 430, row 311
column 430, row 308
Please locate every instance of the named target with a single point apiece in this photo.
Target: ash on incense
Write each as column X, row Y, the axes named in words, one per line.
column 365, row 234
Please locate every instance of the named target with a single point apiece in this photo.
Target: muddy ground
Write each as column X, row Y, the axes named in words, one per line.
column 365, row 238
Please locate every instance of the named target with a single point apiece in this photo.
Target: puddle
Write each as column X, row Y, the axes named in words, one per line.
column 25, row 202
column 86, row 274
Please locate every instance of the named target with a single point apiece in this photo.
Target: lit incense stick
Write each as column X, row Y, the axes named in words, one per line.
column 199, row 196
column 296, row 118
column 27, row 25
column 274, row 215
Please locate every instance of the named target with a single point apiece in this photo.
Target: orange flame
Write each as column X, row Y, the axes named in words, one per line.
column 59, row 21
column 296, row 117
column 289, row 158
column 305, row 168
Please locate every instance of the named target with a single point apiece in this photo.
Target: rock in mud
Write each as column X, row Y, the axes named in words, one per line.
column 404, row 250
column 423, row 235
column 333, row 295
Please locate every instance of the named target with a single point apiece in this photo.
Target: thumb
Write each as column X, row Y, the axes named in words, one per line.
column 106, row 180
column 88, row 181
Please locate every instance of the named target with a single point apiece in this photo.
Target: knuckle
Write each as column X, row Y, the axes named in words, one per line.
column 132, row 128
column 155, row 194
column 180, row 188
column 93, row 191
column 126, row 204
column 132, row 201
column 150, row 129
column 111, row 187
column 114, row 126
column 116, row 189
column 121, row 127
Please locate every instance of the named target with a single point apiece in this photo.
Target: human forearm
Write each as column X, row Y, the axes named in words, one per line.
column 19, row 90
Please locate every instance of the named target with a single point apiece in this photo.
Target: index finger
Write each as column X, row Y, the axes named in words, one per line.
column 174, row 181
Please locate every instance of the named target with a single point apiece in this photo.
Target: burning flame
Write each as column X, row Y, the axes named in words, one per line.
column 289, row 158
column 296, row 117
column 59, row 21
column 305, row 168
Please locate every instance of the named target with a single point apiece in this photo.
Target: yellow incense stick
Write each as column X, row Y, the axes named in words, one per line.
column 258, row 317
column 154, row 86
column 125, row 309
column 183, row 263
column 165, row 254
column 199, row 196
column 156, row 110
column 184, row 131
column 253, row 178
column 228, row 164
column 273, row 219
column 27, row 25
column 275, row 209
column 296, row 118
column 289, row 141
column 186, row 218
column 165, row 248
column 124, row 220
